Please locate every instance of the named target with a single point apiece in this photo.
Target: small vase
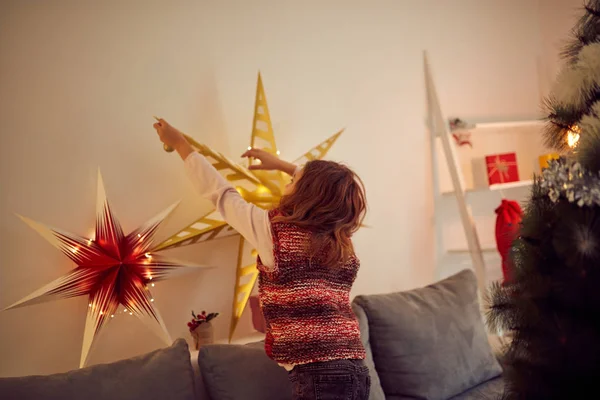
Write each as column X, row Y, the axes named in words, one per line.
column 203, row 335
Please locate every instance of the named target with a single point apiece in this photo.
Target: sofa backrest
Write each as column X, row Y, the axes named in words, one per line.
column 376, row 389
column 430, row 342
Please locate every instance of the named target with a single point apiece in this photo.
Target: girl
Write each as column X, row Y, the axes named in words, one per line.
column 306, row 266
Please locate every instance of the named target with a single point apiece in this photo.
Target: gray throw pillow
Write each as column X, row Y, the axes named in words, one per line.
column 162, row 374
column 430, row 343
column 376, row 392
column 235, row 372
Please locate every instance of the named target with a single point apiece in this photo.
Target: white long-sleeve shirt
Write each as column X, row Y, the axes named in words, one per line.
column 251, row 221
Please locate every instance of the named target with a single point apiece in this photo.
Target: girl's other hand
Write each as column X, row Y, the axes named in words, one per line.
column 267, row 160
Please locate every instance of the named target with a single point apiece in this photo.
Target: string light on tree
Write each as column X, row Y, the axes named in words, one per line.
column 573, row 135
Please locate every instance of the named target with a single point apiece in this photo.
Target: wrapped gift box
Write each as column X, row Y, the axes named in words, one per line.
column 545, row 158
column 502, row 168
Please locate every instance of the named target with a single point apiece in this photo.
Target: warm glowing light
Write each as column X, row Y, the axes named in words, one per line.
column 249, row 147
column 74, row 249
column 153, row 285
column 148, row 256
column 260, row 189
column 149, row 277
column 125, row 310
column 139, row 235
column 90, row 305
column 130, row 313
column 90, row 242
column 573, row 136
column 151, row 300
column 112, row 315
column 278, row 152
column 101, row 312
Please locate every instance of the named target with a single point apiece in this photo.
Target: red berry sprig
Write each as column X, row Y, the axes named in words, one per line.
column 199, row 319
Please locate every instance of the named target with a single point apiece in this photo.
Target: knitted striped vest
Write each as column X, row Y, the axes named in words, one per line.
column 306, row 305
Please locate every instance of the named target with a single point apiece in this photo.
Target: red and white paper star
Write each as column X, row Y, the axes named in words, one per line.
column 112, row 269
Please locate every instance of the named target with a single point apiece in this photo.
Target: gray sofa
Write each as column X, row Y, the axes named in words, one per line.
column 428, row 343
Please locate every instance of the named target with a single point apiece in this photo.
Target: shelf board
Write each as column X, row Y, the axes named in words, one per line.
column 510, row 185
column 501, row 125
column 496, row 187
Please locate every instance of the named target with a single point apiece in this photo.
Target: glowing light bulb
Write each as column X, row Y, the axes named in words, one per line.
column 90, row 305
column 90, row 241
column 112, row 315
column 74, row 250
column 125, row 310
column 573, row 136
column 130, row 313
column 148, row 256
column 278, row 152
column 249, row 147
column 153, row 285
column 149, row 277
column 151, row 300
column 139, row 235
column 101, row 312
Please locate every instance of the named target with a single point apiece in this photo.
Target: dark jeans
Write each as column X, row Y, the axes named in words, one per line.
column 331, row 380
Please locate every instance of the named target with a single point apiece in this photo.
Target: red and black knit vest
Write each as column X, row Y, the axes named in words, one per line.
column 306, row 305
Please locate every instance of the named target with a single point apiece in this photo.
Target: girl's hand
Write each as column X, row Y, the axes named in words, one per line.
column 169, row 135
column 173, row 138
column 267, row 160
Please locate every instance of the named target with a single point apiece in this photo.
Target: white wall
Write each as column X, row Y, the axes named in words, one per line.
column 556, row 19
column 79, row 82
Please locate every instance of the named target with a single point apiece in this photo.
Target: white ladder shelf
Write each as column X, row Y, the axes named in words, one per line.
column 440, row 128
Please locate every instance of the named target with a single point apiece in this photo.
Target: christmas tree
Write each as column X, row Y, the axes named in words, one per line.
column 552, row 306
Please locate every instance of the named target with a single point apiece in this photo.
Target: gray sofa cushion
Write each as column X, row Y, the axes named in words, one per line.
column 162, row 374
column 490, row 390
column 376, row 389
column 234, row 372
column 430, row 343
